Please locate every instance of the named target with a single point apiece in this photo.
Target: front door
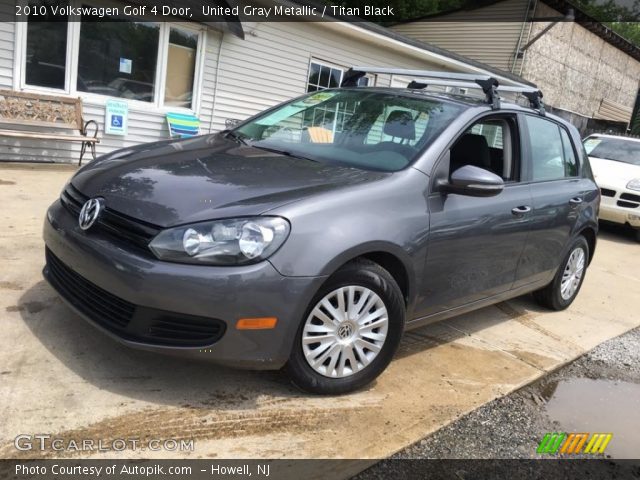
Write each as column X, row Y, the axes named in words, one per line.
column 475, row 243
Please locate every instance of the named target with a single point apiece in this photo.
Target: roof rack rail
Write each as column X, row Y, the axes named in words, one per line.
column 489, row 85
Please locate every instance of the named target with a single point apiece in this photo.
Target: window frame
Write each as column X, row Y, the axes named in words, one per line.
column 518, row 151
column 526, row 140
column 437, row 172
column 72, row 60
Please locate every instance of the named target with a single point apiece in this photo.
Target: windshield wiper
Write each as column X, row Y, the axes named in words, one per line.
column 284, row 152
column 234, row 136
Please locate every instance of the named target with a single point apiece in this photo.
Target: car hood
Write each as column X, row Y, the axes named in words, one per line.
column 612, row 172
column 203, row 178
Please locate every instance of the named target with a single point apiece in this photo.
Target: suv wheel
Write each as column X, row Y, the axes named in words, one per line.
column 351, row 330
column 561, row 292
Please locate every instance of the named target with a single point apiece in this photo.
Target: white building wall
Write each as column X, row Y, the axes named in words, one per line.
column 488, row 34
column 271, row 65
column 7, row 45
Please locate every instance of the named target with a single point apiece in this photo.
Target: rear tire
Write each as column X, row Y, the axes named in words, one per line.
column 356, row 341
column 564, row 288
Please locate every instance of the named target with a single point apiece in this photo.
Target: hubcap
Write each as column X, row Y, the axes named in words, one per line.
column 572, row 274
column 345, row 331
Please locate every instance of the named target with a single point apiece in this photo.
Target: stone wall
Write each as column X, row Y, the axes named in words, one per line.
column 576, row 69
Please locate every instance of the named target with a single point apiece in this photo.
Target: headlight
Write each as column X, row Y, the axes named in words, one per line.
column 222, row 242
column 634, row 184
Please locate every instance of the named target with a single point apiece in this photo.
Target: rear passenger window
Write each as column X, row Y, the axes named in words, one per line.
column 552, row 155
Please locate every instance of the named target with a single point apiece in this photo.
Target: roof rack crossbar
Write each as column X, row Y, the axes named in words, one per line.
column 490, row 89
column 535, row 100
column 489, row 85
column 352, row 77
column 417, row 85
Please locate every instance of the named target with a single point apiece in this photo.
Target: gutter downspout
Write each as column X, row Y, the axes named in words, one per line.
column 531, row 7
column 215, row 87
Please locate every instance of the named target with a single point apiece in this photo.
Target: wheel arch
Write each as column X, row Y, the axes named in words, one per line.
column 390, row 257
column 589, row 233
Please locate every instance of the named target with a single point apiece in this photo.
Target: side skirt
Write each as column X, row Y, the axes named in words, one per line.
column 469, row 307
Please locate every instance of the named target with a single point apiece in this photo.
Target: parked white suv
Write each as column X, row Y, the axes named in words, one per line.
column 615, row 161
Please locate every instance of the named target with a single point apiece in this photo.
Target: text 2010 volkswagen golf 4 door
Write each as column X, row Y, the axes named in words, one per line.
column 313, row 234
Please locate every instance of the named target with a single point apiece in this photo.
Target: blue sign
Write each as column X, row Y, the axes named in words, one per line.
column 116, row 117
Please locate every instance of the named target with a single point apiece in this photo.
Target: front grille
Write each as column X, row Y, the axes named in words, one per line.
column 631, row 197
column 114, row 224
column 106, row 309
column 129, row 321
column 606, row 192
column 622, row 203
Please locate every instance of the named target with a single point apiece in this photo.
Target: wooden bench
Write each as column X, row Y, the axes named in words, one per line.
column 46, row 117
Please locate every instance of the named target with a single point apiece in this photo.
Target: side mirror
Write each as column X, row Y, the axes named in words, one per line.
column 474, row 181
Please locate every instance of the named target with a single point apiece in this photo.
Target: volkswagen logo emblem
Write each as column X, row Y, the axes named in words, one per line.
column 89, row 213
column 345, row 331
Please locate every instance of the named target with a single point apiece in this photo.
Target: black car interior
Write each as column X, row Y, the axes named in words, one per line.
column 473, row 149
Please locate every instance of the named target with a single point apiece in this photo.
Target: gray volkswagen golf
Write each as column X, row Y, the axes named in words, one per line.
column 313, row 234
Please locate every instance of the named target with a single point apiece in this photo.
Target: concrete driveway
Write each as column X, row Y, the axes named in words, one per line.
column 61, row 377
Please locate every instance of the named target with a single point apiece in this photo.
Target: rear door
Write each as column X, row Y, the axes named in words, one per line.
column 557, row 193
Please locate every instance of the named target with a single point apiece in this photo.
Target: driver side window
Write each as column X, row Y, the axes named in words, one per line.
column 491, row 144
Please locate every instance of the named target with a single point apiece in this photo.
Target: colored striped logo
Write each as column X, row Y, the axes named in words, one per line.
column 573, row 443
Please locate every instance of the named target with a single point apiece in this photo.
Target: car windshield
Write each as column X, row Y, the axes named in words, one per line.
column 366, row 129
column 619, row 149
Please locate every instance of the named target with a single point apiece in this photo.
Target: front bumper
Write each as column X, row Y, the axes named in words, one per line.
column 620, row 205
column 127, row 293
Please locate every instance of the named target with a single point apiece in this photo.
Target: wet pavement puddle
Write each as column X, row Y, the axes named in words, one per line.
column 583, row 405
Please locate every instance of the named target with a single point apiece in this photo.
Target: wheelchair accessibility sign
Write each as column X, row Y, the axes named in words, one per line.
column 116, row 113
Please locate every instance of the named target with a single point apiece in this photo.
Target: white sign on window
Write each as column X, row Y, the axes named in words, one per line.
column 125, row 65
column 116, row 117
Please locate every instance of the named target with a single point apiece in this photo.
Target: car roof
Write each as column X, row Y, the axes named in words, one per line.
column 617, row 137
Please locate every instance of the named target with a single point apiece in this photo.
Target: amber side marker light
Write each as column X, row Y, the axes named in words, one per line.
column 261, row 323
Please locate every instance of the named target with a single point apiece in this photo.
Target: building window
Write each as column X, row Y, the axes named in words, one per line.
column 118, row 59
column 46, row 51
column 323, row 76
column 155, row 63
column 181, row 67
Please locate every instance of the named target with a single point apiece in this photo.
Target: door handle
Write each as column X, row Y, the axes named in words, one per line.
column 575, row 201
column 521, row 210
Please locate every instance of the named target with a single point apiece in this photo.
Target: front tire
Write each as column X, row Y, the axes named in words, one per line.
column 350, row 331
column 564, row 288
